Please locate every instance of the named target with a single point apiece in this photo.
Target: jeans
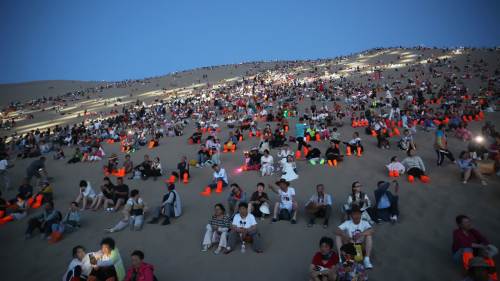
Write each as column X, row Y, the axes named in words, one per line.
column 135, row 223
column 167, row 210
column 322, row 212
column 46, row 229
column 441, row 153
column 235, row 238
column 214, row 184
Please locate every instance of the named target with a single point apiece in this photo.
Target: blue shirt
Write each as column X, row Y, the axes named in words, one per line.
column 299, row 130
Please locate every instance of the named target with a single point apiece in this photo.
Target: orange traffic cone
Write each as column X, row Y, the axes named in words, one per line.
column 185, row 178
column 396, row 131
column 305, row 150
column 207, row 191
column 225, row 148
column 425, row 179
column 358, row 149
column 308, row 138
column 38, row 201
column 411, row 179
column 233, row 148
column 172, row 179
column 297, row 155
column 219, row 187
column 151, row 144
column 374, row 133
column 335, row 162
column 190, row 141
column 6, row 219
column 395, row 173
column 257, row 134
column 250, row 134
column 391, row 173
column 318, row 137
column 241, row 138
column 286, row 128
column 330, row 163
column 348, row 151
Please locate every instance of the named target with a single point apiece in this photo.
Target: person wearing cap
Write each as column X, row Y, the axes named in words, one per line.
column 324, row 262
column 287, row 205
column 467, row 240
column 480, row 270
column 386, row 203
column 171, row 206
column 319, row 206
column 356, row 231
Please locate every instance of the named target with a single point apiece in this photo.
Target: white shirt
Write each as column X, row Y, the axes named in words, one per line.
column 85, row 265
column 3, row 165
column 89, row 191
column 286, row 198
column 267, row 160
column 221, row 174
column 246, row 222
column 352, row 229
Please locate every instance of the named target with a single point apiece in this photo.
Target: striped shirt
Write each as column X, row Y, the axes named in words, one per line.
column 225, row 221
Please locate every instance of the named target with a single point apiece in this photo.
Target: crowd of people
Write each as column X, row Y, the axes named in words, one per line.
column 267, row 107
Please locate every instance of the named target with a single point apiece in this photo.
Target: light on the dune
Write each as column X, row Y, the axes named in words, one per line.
column 479, row 139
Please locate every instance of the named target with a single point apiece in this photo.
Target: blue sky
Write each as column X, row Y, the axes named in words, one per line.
column 115, row 40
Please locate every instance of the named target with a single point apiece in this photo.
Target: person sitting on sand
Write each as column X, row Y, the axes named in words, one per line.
column 120, row 195
column 283, row 153
column 87, row 195
column 79, row 267
column 468, row 166
column 183, row 166
column 219, row 174
column 217, row 230
column 236, row 197
column 259, row 198
column 71, row 221
column 266, row 164
column 37, row 169
column 44, row 221
column 349, row 269
column 145, row 167
column 105, row 197
column 358, row 199
column 25, row 189
column 171, row 206
column 395, row 165
column 333, row 152
column 139, row 270
column 386, row 203
column 324, row 262
column 287, row 206
column 128, row 165
column 203, row 156
column 414, row 165
column 77, row 156
column 354, row 143
column 243, row 229
column 319, row 206
column 133, row 213
column 156, row 168
column 107, row 263
column 313, row 154
column 356, row 231
column 406, row 142
column 480, row 270
column 469, row 242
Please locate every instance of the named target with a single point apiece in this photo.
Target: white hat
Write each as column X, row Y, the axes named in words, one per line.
column 264, row 208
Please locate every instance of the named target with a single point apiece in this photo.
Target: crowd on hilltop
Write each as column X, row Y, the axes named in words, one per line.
column 290, row 115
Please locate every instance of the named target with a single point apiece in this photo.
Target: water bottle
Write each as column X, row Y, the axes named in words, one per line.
column 243, row 247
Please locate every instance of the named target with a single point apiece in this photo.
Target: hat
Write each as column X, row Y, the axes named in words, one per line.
column 264, row 208
column 171, row 186
column 478, row 262
column 283, row 181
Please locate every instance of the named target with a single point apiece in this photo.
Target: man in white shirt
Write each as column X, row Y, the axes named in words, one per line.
column 86, row 194
column 219, row 175
column 243, row 229
column 287, row 206
column 79, row 266
column 356, row 231
column 319, row 206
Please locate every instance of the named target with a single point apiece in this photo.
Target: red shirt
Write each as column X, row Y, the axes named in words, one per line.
column 462, row 240
column 318, row 260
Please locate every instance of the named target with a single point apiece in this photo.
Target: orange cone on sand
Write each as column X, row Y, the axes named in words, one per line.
column 335, row 162
column 6, row 219
column 38, row 201
column 425, row 179
column 207, row 191
column 172, row 179
column 391, row 173
column 411, row 179
column 318, row 137
column 185, row 178
column 308, row 138
column 358, row 150
column 297, row 155
column 395, row 173
column 219, row 187
column 348, row 151
column 305, row 150
column 330, row 163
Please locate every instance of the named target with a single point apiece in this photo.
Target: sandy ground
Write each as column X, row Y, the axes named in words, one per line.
column 417, row 248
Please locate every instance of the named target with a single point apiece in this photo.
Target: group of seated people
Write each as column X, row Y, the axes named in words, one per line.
column 107, row 264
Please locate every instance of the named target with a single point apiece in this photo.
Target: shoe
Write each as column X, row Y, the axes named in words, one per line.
column 464, row 182
column 218, row 250
column 274, row 220
column 166, row 221
column 394, row 219
column 367, row 263
column 154, row 221
column 109, row 230
column 293, row 221
column 325, row 225
column 205, row 248
column 484, row 183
